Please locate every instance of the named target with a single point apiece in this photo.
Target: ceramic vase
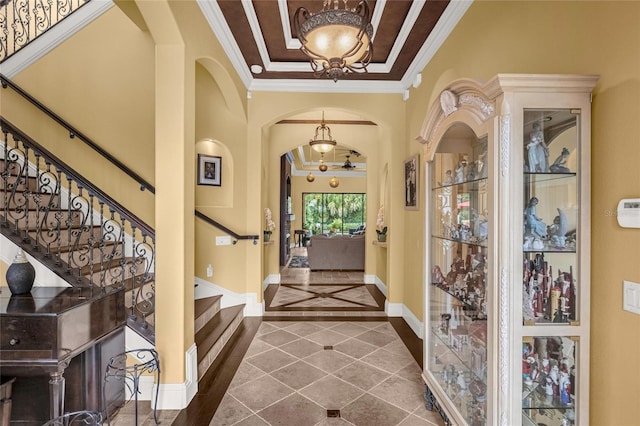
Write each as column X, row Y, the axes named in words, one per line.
column 20, row 274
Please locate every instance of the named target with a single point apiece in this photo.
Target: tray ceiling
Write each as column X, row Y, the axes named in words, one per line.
column 259, row 33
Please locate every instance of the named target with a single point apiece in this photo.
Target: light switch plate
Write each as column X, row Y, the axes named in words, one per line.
column 631, row 297
column 224, row 240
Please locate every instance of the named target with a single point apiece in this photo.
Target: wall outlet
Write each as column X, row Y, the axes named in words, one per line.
column 631, row 297
column 209, row 271
column 224, row 240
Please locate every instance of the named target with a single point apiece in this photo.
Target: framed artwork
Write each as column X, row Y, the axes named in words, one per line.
column 209, row 170
column 411, row 183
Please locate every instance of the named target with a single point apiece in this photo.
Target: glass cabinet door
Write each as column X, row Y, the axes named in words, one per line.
column 550, row 246
column 458, row 300
column 551, row 285
column 549, row 380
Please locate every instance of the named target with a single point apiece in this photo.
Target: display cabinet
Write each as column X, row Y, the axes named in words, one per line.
column 507, row 257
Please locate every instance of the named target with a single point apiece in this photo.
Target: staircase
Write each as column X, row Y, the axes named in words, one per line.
column 90, row 241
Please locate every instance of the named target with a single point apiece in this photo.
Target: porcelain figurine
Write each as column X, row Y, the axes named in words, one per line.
column 532, row 223
column 538, row 153
column 560, row 163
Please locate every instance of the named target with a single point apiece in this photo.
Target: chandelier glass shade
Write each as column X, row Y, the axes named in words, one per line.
column 334, row 182
column 337, row 41
column 322, row 141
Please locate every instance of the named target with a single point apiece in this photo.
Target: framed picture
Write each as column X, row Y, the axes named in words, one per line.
column 209, row 170
column 411, row 183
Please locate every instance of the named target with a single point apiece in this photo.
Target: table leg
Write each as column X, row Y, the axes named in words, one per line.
column 56, row 394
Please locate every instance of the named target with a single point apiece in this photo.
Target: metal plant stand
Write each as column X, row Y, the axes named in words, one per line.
column 77, row 418
column 118, row 370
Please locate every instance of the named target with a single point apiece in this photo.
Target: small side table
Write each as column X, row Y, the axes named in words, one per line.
column 117, row 369
column 299, row 235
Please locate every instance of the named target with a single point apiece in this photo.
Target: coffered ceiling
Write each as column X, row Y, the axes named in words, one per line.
column 258, row 36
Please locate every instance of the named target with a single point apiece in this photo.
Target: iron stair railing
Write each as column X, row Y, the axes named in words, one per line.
column 74, row 228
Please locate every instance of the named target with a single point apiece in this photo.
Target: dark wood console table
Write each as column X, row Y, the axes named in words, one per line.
column 55, row 335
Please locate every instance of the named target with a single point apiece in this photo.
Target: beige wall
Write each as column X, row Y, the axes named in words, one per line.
column 106, row 74
column 572, row 37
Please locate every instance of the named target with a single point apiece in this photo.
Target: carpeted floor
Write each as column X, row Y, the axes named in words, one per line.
column 299, row 262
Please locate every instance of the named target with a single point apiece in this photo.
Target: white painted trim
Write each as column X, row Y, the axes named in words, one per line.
column 271, row 279
column 401, row 310
column 447, row 22
column 416, row 325
column 393, row 309
column 176, row 396
column 54, row 37
column 215, row 18
column 381, row 286
column 207, row 289
column 324, row 86
column 370, row 279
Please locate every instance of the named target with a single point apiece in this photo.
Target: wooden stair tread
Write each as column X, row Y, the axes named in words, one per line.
column 201, row 305
column 211, row 332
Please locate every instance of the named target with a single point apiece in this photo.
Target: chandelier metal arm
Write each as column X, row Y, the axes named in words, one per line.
column 357, row 18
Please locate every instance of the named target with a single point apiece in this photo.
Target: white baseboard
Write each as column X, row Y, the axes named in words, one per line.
column 381, row 286
column 271, row 279
column 370, row 279
column 207, row 289
column 400, row 310
column 171, row 396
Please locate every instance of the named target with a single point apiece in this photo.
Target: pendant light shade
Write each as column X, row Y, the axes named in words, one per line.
column 337, row 41
column 334, row 182
column 322, row 141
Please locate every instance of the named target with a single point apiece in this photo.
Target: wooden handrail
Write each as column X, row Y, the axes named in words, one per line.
column 226, row 230
column 73, row 133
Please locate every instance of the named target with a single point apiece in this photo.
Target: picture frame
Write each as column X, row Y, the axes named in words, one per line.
column 411, row 173
column 209, row 170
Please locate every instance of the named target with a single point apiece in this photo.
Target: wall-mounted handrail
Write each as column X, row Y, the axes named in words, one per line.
column 226, row 230
column 75, row 133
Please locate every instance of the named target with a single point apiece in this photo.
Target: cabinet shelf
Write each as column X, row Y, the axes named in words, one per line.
column 481, row 243
column 474, row 184
column 508, row 250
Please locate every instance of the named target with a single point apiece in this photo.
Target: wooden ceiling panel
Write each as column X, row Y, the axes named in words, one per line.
column 270, row 25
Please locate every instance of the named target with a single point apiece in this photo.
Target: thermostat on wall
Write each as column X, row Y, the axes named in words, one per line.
column 629, row 213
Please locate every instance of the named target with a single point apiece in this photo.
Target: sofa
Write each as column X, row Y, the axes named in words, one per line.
column 336, row 252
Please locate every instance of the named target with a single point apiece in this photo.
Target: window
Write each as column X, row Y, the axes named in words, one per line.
column 326, row 213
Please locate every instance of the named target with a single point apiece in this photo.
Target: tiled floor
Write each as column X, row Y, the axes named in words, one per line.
column 322, row 371
column 322, row 293
column 326, row 373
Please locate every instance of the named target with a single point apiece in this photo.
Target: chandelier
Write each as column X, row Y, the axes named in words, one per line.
column 337, row 41
column 322, row 141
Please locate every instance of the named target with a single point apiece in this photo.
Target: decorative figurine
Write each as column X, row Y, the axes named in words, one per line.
column 533, row 225
column 538, row 151
column 460, row 171
column 558, row 230
column 448, row 178
column 437, row 277
column 560, row 163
